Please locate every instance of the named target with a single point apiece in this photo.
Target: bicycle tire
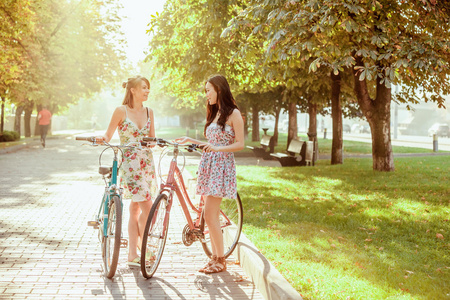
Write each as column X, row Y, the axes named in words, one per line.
column 155, row 235
column 111, row 243
column 232, row 208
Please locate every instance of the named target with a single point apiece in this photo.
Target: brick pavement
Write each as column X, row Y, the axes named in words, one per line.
column 47, row 251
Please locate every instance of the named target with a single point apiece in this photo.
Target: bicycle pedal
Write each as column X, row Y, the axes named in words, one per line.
column 123, row 243
column 93, row 224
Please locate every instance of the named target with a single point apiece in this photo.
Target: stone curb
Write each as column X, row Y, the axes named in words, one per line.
column 25, row 144
column 270, row 283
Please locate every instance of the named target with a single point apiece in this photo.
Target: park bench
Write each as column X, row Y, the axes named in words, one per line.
column 299, row 153
column 293, row 156
column 265, row 149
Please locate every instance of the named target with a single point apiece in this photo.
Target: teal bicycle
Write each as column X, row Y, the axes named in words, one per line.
column 108, row 220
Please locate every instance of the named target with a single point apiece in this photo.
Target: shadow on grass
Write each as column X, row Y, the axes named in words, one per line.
column 378, row 227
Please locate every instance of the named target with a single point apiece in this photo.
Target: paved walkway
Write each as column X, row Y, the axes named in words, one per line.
column 48, row 252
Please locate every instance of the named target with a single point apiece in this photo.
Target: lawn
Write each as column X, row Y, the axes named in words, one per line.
column 347, row 232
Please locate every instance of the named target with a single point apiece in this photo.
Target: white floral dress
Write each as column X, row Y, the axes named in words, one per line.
column 137, row 173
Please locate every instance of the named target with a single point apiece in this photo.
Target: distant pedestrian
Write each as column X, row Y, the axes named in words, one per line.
column 224, row 130
column 133, row 121
column 44, row 118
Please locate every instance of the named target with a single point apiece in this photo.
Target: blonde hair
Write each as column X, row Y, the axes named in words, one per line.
column 130, row 84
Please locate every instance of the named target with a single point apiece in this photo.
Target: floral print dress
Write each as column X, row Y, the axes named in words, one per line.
column 217, row 170
column 137, row 173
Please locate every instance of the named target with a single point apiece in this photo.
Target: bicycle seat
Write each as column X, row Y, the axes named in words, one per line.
column 104, row 170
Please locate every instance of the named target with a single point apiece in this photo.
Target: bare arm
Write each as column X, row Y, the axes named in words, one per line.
column 152, row 124
column 116, row 119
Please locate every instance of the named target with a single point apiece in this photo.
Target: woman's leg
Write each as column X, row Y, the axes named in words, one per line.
column 133, row 231
column 211, row 214
column 145, row 210
column 212, row 209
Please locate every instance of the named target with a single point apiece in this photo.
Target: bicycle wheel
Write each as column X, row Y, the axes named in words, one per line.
column 155, row 235
column 231, row 217
column 111, row 243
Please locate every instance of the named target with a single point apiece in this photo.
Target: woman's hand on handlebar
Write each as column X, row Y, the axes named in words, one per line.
column 99, row 139
column 148, row 144
column 207, row 147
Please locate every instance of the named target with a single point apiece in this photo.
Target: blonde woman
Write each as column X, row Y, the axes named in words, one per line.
column 138, row 178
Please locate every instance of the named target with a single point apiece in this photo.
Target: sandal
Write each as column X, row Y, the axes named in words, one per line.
column 208, row 264
column 135, row 262
column 149, row 255
column 219, row 265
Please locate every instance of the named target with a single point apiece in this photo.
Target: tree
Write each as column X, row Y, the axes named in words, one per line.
column 71, row 50
column 280, row 60
column 379, row 43
column 16, row 24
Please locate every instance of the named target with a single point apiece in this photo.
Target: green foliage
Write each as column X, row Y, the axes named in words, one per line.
column 403, row 42
column 16, row 24
column 63, row 50
column 9, row 136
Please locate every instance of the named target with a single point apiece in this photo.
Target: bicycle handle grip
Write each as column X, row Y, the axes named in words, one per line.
column 85, row 138
column 194, row 147
column 149, row 139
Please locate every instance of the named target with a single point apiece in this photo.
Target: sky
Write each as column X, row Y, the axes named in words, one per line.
column 136, row 17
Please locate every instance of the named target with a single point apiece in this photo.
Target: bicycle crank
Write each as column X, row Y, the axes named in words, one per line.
column 188, row 236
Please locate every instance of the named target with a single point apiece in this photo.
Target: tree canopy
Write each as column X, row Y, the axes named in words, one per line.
column 58, row 51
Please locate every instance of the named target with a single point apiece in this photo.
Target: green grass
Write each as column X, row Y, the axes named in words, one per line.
column 347, row 232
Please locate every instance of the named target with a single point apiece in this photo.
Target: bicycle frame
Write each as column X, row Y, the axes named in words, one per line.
column 175, row 183
column 109, row 217
column 157, row 224
column 110, row 191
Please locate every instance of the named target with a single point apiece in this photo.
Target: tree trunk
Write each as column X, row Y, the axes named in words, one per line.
column 17, row 119
column 336, row 113
column 378, row 115
column 293, row 127
column 243, row 110
column 312, row 112
column 27, row 118
column 255, row 122
column 277, row 118
column 2, row 116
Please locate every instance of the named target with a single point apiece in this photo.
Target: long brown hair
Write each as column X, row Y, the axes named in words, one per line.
column 225, row 102
column 130, row 84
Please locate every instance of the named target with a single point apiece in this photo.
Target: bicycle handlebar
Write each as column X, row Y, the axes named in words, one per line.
column 93, row 140
column 163, row 143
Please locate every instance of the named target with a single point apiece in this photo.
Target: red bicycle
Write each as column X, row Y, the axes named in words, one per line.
column 156, row 229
